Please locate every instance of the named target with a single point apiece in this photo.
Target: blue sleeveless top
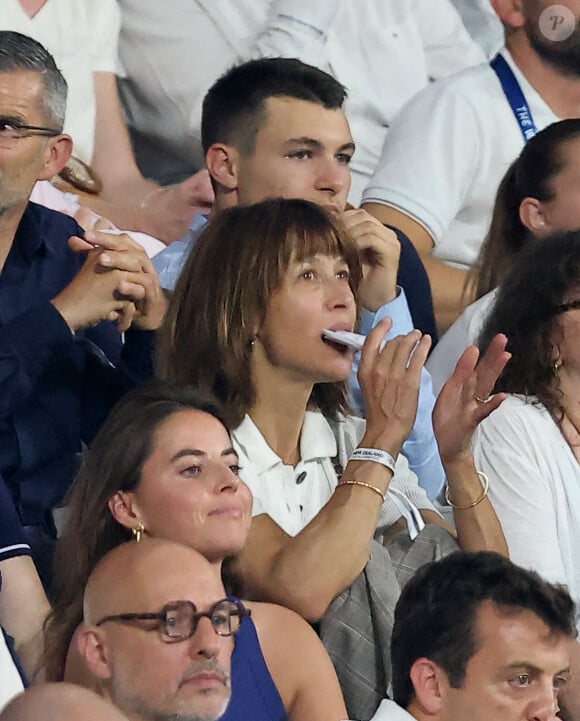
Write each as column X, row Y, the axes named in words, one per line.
column 254, row 694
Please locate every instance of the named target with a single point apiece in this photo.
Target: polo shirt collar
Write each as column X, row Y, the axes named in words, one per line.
column 316, row 441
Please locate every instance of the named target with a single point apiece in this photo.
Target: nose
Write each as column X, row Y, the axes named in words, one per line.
column 225, row 480
column 338, row 293
column 205, row 642
column 545, row 706
column 331, row 176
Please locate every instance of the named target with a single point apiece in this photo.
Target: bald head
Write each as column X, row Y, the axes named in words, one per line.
column 60, row 702
column 143, row 574
column 134, row 660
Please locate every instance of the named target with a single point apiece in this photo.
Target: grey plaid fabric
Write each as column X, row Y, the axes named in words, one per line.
column 357, row 626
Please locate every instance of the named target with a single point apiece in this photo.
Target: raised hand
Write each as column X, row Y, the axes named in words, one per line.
column 380, row 251
column 465, row 400
column 390, row 379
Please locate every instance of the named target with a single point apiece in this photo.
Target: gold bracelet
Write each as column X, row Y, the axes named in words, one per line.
column 485, row 479
column 362, row 484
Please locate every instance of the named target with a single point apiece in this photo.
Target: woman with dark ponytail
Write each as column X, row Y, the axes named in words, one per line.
column 538, row 196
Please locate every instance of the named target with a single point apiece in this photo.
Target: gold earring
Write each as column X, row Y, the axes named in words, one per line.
column 556, row 367
column 138, row 532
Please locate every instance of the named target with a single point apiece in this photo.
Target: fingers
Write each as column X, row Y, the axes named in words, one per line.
column 80, row 245
column 372, row 346
column 401, row 357
column 483, row 410
column 129, row 290
column 491, row 366
column 124, row 317
column 112, row 240
column 370, row 234
column 380, row 251
column 121, row 252
column 121, row 260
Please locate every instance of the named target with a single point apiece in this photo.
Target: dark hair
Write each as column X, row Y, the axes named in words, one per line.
column 525, row 311
column 234, row 107
column 225, row 288
column 436, row 615
column 21, row 53
column 113, row 462
column 531, row 175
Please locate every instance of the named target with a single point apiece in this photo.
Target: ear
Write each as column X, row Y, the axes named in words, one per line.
column 223, row 165
column 125, row 510
column 425, row 676
column 93, row 650
column 510, row 12
column 533, row 215
column 58, row 152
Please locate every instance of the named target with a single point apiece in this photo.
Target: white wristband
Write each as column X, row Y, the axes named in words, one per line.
column 376, row 455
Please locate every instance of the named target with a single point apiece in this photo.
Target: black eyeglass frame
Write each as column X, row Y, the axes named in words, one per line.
column 29, row 130
column 162, row 616
column 564, row 307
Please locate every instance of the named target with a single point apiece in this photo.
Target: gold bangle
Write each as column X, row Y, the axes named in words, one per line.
column 362, row 484
column 485, row 479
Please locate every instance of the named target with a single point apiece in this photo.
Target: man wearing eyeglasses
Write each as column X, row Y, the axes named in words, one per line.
column 159, row 633
column 62, row 362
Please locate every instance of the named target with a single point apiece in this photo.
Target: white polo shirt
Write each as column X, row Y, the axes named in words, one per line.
column 446, row 153
column 293, row 496
column 82, row 37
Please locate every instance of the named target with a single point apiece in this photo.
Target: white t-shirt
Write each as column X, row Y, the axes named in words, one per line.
column 464, row 332
column 446, row 154
column 534, row 486
column 82, row 36
column 384, row 51
column 293, row 496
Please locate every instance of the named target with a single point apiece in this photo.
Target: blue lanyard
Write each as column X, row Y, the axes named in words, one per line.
column 515, row 97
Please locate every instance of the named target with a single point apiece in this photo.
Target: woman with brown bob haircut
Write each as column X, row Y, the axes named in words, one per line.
column 246, row 321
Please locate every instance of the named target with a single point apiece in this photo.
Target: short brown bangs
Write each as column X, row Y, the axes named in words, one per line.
column 315, row 232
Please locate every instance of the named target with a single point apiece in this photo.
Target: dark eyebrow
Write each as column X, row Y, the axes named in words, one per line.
column 313, row 143
column 526, row 666
column 200, row 454
column 10, row 120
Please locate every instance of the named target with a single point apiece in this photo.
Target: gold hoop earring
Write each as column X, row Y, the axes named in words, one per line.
column 138, row 532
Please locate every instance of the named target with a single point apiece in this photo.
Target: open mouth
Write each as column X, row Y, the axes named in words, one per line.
column 338, row 347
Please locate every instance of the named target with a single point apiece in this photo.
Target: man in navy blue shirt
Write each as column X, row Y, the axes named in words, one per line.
column 62, row 360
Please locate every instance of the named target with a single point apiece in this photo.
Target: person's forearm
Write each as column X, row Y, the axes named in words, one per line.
column 447, row 288
column 478, row 527
column 131, row 190
column 330, row 552
column 23, row 609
